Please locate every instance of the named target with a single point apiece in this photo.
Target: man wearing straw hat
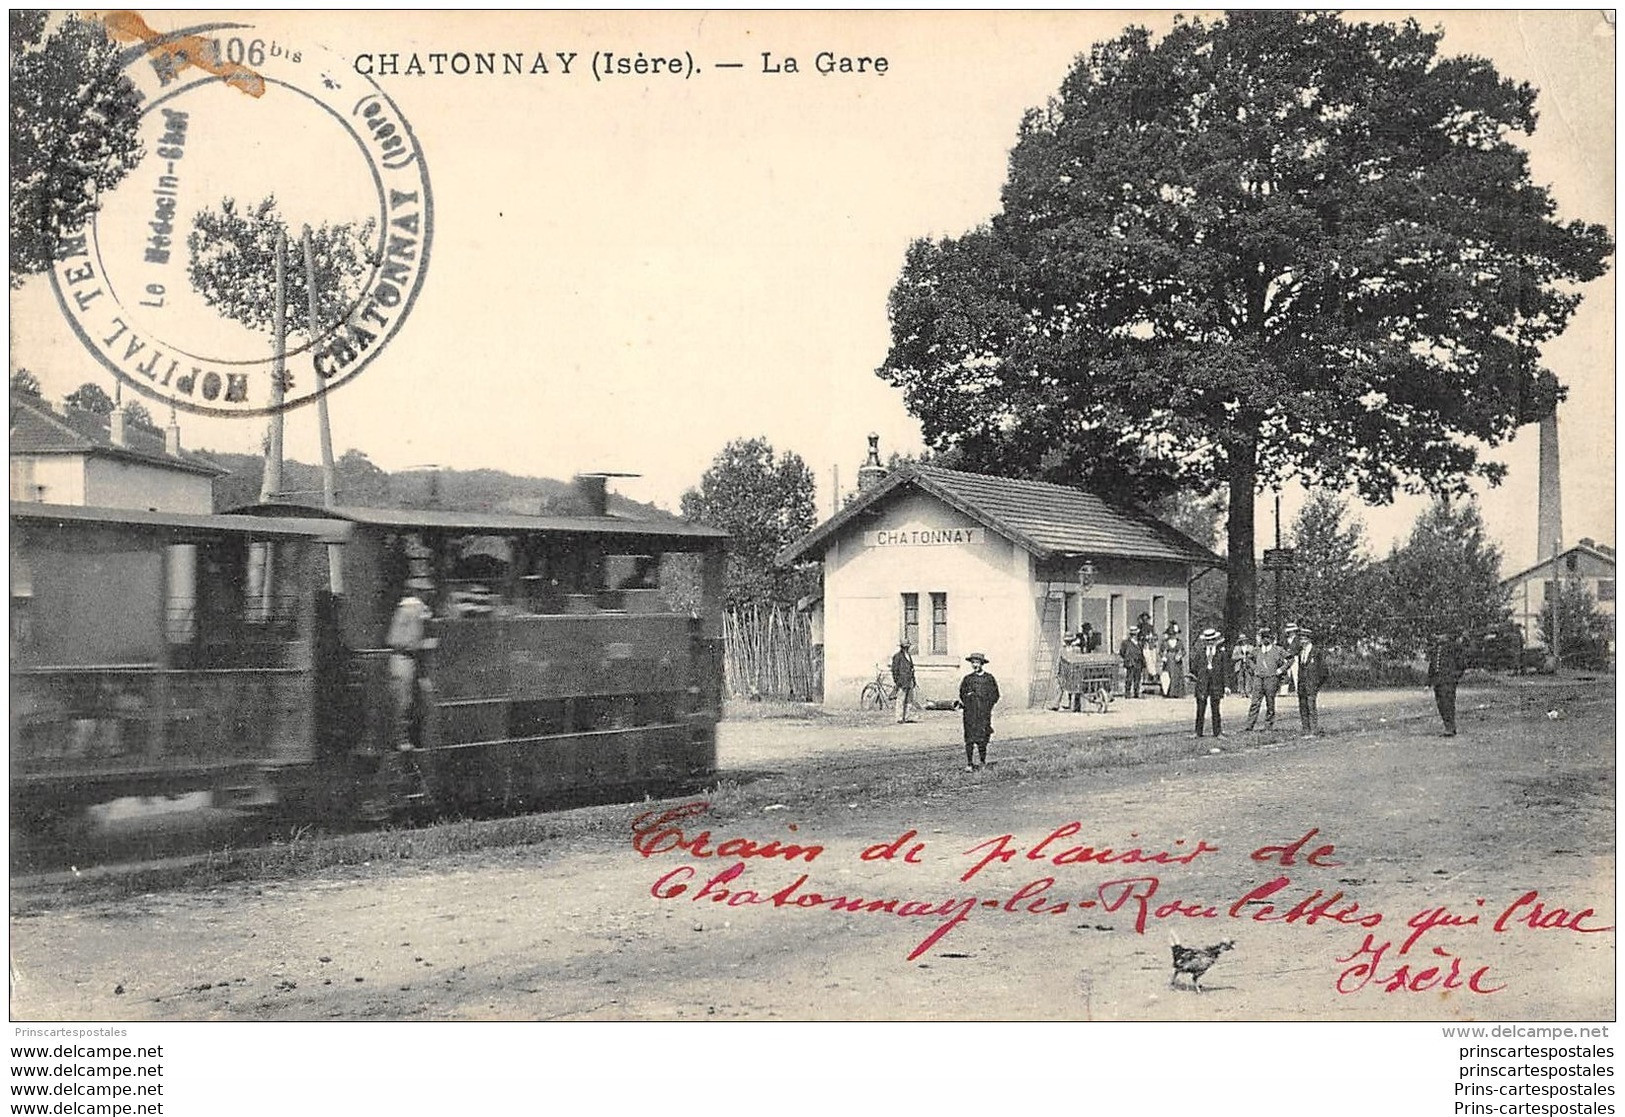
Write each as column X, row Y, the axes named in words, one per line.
column 1208, row 670
column 902, row 676
column 978, row 694
column 1310, row 668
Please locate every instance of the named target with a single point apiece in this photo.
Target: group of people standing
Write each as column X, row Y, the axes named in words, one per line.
column 1260, row 671
column 1151, row 659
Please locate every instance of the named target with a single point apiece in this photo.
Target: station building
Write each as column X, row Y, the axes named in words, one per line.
column 960, row 562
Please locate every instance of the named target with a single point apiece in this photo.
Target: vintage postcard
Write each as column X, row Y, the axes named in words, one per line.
column 694, row 516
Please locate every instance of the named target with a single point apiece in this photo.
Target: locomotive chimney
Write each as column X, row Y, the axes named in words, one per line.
column 594, row 491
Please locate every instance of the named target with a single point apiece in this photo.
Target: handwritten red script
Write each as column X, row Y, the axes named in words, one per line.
column 714, row 869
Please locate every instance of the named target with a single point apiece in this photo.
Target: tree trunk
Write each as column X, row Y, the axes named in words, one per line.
column 1242, row 593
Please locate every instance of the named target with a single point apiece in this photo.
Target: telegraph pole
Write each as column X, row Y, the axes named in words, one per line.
column 1278, row 568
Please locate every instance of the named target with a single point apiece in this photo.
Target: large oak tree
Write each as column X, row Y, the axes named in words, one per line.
column 1276, row 245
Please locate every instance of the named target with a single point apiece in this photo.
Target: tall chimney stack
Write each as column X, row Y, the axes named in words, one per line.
column 1549, row 524
column 172, row 436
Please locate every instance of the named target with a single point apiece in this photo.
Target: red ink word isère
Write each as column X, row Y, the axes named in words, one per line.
column 1409, row 977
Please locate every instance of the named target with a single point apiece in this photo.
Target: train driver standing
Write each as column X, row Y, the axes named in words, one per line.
column 407, row 641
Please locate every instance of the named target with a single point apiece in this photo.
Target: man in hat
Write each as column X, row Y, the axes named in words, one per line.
column 1268, row 665
column 978, row 694
column 1310, row 668
column 1291, row 641
column 407, row 640
column 1133, row 657
column 1208, row 670
column 902, row 674
column 1446, row 666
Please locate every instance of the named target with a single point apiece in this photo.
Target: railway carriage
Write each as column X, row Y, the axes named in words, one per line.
column 248, row 655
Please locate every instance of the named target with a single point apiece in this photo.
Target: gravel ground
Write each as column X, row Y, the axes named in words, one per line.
column 1401, row 824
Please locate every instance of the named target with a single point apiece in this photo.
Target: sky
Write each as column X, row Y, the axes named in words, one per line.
column 627, row 273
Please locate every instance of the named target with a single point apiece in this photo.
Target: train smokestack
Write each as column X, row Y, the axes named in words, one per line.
column 593, row 489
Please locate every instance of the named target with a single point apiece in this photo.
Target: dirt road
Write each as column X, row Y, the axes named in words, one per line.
column 1504, row 834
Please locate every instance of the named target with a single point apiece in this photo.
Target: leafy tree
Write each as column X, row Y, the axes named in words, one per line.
column 1333, row 589
column 233, row 265
column 136, row 412
column 1582, row 633
column 359, row 481
column 90, row 397
column 1274, row 245
column 1447, row 577
column 74, row 118
column 1197, row 516
column 27, row 383
column 765, row 502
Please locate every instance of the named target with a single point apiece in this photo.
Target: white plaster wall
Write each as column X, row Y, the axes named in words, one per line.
column 58, row 479
column 990, row 602
column 111, row 483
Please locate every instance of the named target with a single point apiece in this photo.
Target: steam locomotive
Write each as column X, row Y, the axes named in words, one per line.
column 248, row 655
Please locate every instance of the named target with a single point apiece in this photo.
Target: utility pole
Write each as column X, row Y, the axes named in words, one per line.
column 1557, row 604
column 335, row 574
column 1278, row 569
column 260, row 575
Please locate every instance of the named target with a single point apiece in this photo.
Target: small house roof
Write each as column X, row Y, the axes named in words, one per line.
column 1045, row 519
column 1584, row 547
column 38, row 428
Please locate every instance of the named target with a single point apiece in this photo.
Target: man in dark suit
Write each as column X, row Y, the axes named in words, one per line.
column 902, row 676
column 1133, row 657
column 1310, row 668
column 1209, row 669
column 1445, row 668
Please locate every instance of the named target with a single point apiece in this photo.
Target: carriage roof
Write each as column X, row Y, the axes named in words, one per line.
column 499, row 523
column 179, row 526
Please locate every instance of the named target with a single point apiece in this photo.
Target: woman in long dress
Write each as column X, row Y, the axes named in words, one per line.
column 1151, row 651
column 1173, row 663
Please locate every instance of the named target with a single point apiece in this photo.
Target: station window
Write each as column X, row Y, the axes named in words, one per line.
column 939, row 624
column 911, row 619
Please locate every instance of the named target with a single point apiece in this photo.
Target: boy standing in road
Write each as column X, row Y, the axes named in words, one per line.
column 1445, row 668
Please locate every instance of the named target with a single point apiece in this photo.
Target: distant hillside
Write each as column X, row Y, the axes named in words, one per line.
column 358, row 481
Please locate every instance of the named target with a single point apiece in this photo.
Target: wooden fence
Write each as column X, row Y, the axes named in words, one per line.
column 770, row 654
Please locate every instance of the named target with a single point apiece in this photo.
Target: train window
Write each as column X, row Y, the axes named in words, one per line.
column 632, row 572
column 479, row 574
column 22, row 601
